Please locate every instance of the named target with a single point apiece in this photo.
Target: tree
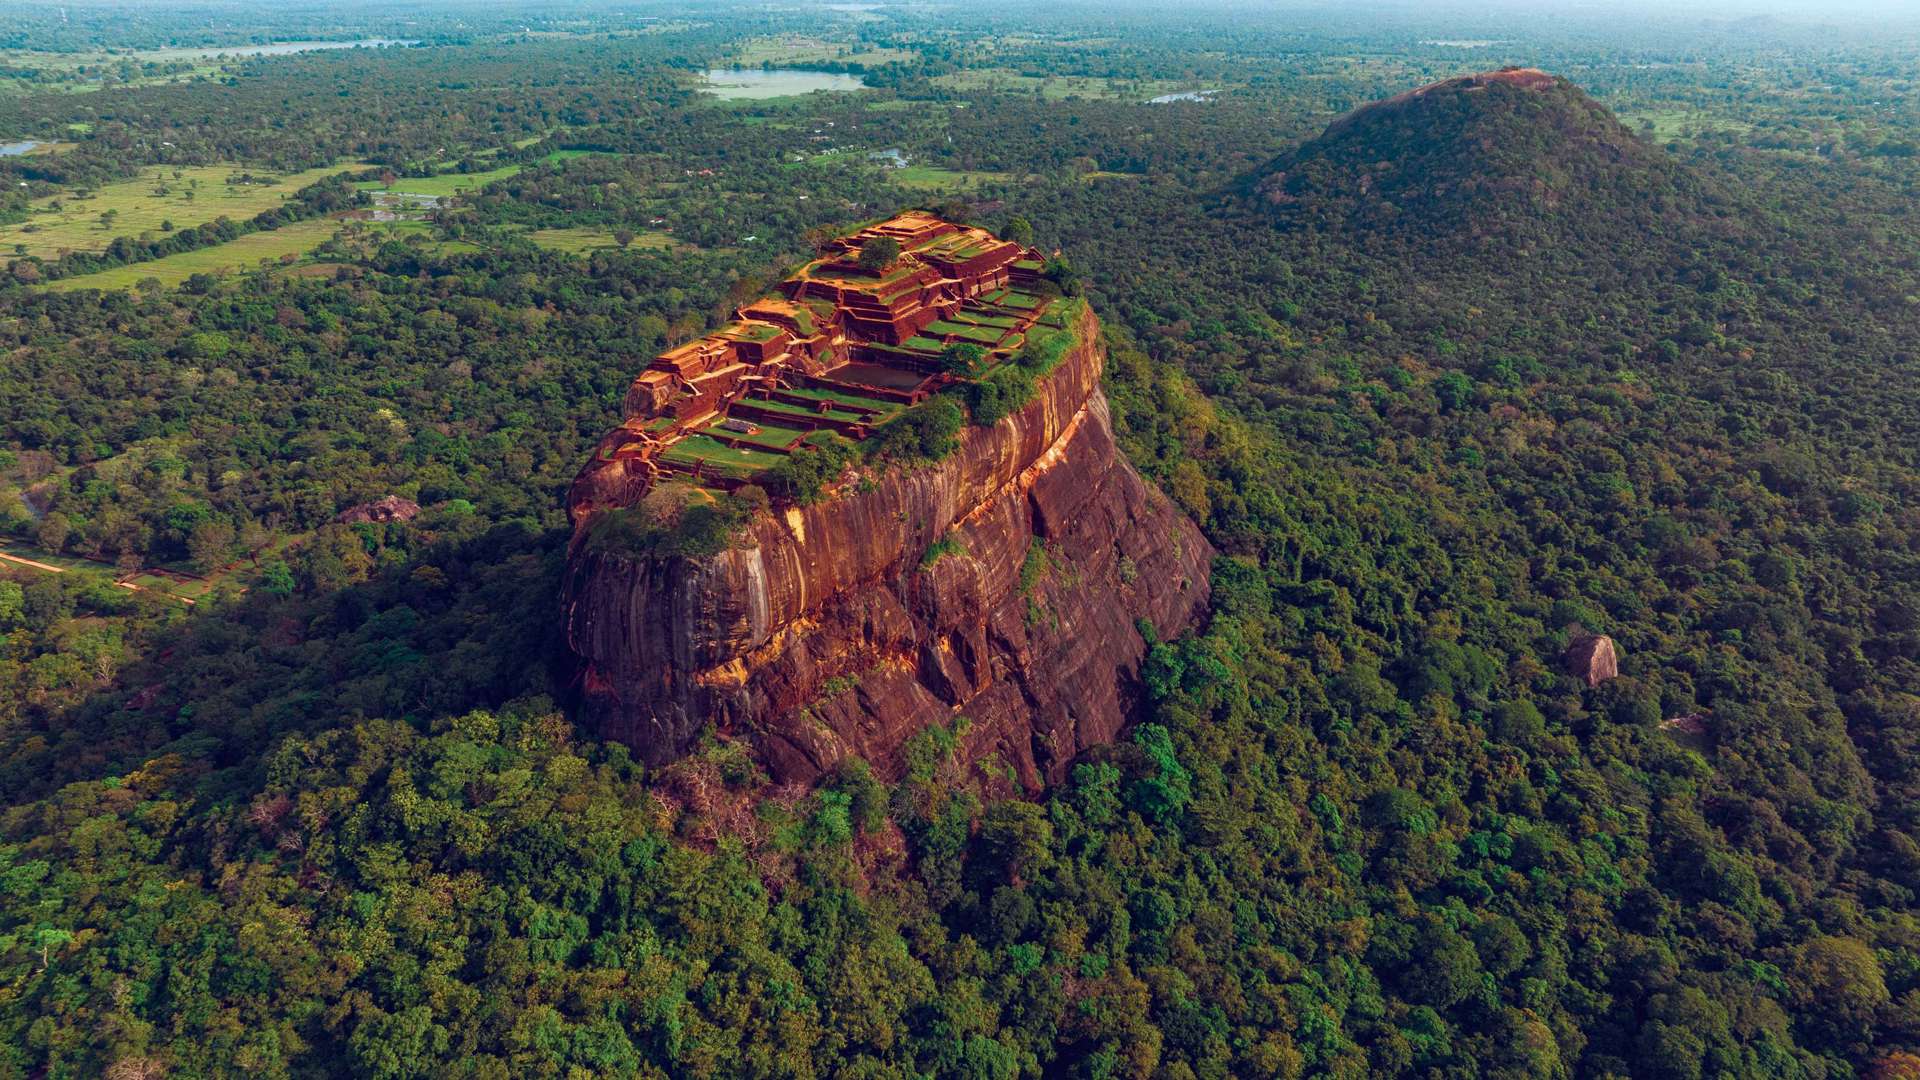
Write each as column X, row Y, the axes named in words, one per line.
column 1019, row 230
column 1015, row 839
column 277, row 578
column 804, row 475
column 879, row 253
column 209, row 544
column 1453, row 390
column 818, row 237
column 53, row 532
column 1839, row 981
column 13, row 605
column 46, row 602
column 623, row 237
column 962, row 358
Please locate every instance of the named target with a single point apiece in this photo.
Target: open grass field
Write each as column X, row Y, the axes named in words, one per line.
column 1662, row 125
column 295, row 239
column 442, row 185
column 79, row 72
column 802, row 411
column 772, row 436
column 932, row 178
column 1059, row 87
column 811, row 393
column 579, row 241
column 797, row 49
column 715, row 453
column 187, row 196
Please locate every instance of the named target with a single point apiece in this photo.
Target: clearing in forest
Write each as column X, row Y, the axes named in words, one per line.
column 587, row 238
column 800, row 49
column 184, row 196
column 1059, row 87
column 441, row 185
column 933, row 178
column 273, row 244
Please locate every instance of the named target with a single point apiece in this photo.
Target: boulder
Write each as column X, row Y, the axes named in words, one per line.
column 1591, row 658
column 390, row 508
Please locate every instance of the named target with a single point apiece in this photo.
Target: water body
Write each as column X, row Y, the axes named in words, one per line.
column 739, row 84
column 285, row 48
column 860, row 374
column 16, row 149
column 1184, row 95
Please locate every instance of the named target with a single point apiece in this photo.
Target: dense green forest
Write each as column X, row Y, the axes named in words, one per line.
column 1444, row 387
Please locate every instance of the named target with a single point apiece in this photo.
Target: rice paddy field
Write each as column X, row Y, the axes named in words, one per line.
column 186, row 196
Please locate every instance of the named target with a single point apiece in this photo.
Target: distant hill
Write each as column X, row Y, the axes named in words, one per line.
column 1516, row 155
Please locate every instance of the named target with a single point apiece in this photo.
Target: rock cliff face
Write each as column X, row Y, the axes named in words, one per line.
column 827, row 632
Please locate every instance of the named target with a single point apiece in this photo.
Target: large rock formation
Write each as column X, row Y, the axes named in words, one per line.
column 828, row 632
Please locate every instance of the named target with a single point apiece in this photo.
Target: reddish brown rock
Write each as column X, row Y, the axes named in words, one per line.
column 1690, row 724
column 822, row 636
column 1591, row 658
column 390, row 508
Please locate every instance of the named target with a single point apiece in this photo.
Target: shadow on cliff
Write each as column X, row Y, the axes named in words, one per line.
column 462, row 624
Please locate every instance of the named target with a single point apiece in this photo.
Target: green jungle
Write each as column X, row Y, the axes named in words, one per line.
column 1448, row 382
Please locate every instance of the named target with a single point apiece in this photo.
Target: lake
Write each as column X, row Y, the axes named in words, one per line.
column 1184, row 95
column 279, row 48
column 745, row 84
column 16, row 149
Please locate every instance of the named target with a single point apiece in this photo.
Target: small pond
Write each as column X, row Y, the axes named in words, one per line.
column 1184, row 95
column 15, row 149
column 879, row 375
column 754, row 83
column 288, row 48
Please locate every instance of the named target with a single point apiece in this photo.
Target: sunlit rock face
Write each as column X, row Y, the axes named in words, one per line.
column 826, row 634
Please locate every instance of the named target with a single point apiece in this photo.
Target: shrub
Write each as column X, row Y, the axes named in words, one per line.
column 676, row 519
column 927, row 432
column 962, row 358
column 949, row 544
column 878, row 254
column 1004, row 390
column 804, row 474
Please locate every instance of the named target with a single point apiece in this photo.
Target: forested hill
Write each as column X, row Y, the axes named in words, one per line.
column 1515, row 156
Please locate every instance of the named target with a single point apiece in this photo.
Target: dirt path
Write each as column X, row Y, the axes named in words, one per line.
column 127, row 585
column 30, row 562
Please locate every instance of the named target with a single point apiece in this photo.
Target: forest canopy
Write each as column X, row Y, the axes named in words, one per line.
column 1636, row 362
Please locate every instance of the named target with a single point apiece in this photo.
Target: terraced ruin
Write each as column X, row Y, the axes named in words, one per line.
column 847, row 344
